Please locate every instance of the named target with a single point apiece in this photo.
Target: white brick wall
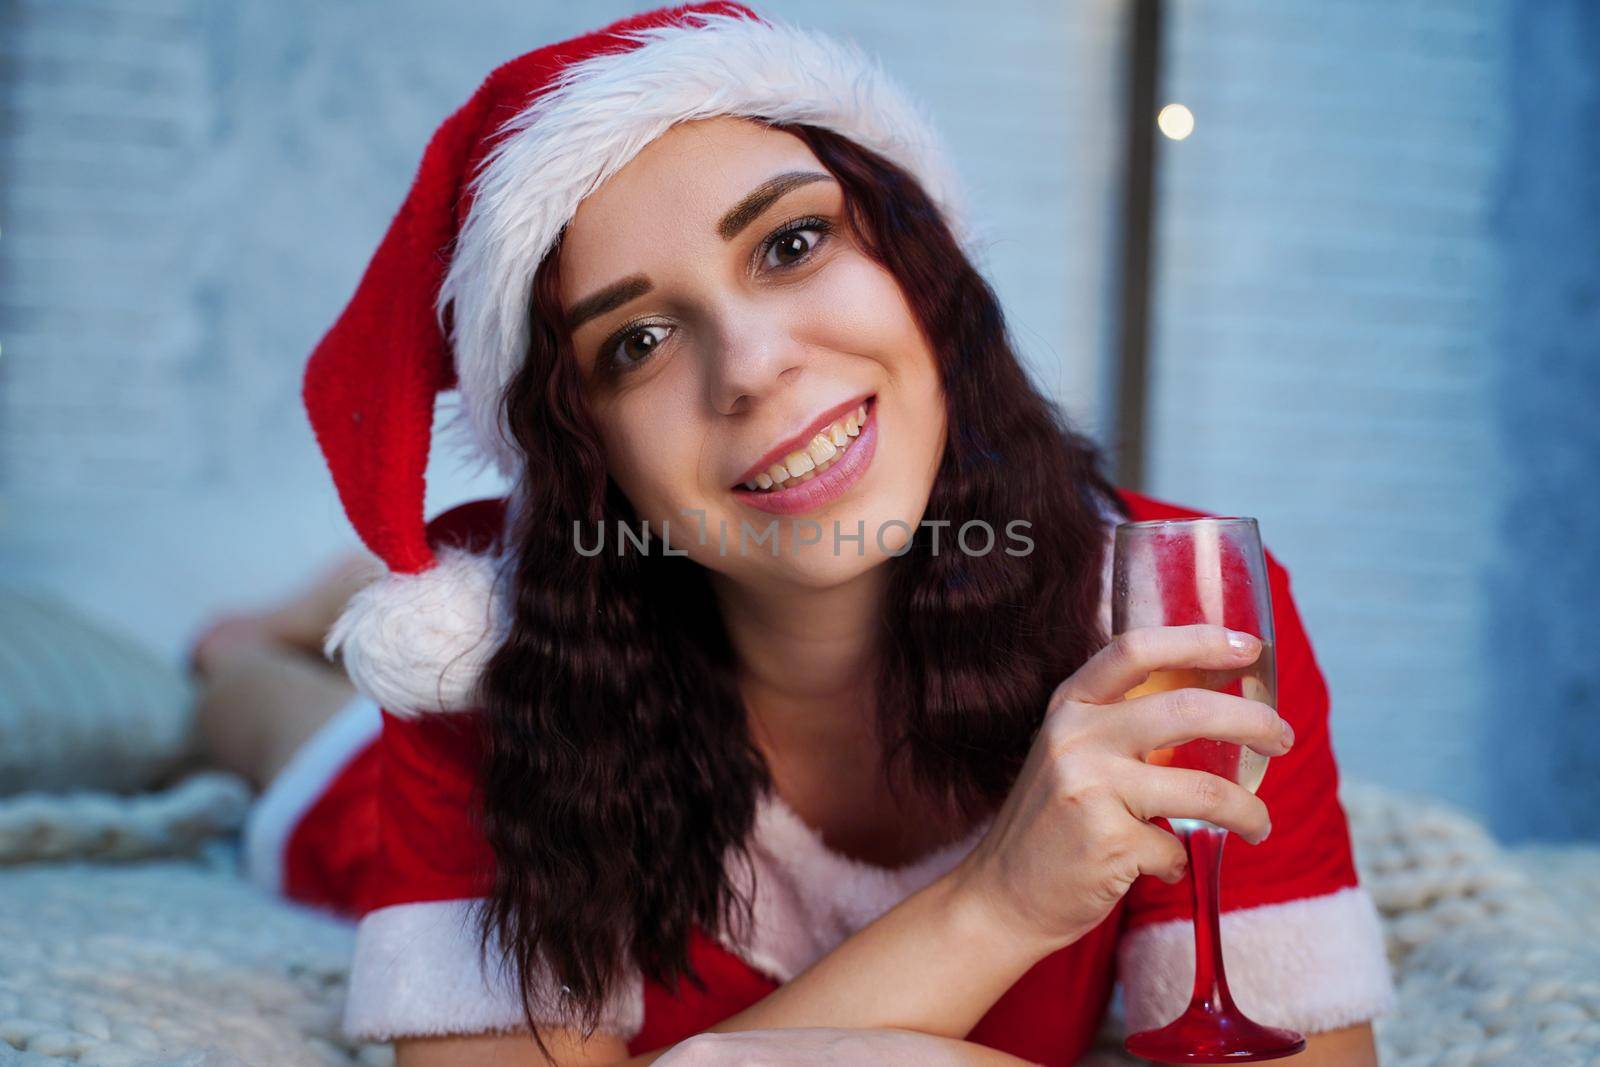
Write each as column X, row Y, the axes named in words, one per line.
column 1323, row 342
column 100, row 385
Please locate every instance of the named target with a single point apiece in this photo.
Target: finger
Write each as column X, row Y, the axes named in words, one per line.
column 1128, row 660
column 1160, row 853
column 1167, row 720
column 1150, row 791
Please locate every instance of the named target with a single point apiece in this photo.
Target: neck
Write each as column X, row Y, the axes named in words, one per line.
column 807, row 660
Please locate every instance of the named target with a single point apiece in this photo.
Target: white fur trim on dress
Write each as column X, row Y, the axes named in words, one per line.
column 416, row 971
column 810, row 898
column 1313, row 964
column 420, row 642
column 596, row 116
column 302, row 781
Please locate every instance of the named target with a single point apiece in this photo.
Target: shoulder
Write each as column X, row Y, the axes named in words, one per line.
column 475, row 526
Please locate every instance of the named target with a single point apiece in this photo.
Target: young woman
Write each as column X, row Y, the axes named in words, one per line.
column 836, row 762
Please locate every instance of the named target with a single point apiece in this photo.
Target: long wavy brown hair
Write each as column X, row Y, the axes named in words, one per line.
column 618, row 767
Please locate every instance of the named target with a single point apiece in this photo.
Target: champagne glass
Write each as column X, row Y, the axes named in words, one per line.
column 1175, row 573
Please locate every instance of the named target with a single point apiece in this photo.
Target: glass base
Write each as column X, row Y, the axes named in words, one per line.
column 1199, row 1036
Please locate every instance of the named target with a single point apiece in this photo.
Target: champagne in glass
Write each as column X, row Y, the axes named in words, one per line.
column 1176, row 573
column 1237, row 763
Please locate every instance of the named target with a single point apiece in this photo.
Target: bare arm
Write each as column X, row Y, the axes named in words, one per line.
column 934, row 963
column 795, row 1047
column 1352, row 1046
column 1070, row 839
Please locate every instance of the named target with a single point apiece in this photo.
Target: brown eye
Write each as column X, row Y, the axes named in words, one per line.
column 636, row 347
column 791, row 246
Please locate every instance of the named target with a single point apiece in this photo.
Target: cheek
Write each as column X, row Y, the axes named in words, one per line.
column 859, row 308
column 650, row 457
column 868, row 314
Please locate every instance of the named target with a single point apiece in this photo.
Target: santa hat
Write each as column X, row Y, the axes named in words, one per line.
column 445, row 302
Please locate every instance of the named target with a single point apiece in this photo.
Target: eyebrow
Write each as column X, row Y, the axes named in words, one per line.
column 731, row 225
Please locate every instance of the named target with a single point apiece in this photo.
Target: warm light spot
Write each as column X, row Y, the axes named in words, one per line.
column 1176, row 121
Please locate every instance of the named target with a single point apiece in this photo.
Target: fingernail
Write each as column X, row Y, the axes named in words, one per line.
column 1288, row 734
column 1264, row 835
column 1240, row 641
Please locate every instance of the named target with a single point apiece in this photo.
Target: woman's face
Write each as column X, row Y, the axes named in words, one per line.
column 721, row 312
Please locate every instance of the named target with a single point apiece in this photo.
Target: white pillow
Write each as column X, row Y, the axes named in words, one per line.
column 83, row 706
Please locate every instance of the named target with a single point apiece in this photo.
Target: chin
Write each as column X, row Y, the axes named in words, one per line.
column 821, row 565
column 818, row 568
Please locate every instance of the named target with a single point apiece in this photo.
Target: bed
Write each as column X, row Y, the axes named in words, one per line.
column 128, row 936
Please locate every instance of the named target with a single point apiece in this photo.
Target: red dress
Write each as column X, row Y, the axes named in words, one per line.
column 372, row 821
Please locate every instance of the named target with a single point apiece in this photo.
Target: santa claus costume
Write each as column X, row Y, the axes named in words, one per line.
column 373, row 818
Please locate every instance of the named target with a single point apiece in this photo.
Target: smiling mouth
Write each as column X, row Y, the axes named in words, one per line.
column 829, row 446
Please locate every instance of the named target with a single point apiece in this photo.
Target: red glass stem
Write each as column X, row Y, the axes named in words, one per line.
column 1205, row 872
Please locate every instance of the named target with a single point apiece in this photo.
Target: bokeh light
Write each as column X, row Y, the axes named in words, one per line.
column 1176, row 121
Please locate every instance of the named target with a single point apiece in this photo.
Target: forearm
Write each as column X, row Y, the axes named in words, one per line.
column 1352, row 1046
column 970, row 1052
column 813, row 1046
column 935, row 963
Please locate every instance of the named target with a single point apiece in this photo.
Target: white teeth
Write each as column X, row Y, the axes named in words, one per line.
column 821, row 449
column 819, row 454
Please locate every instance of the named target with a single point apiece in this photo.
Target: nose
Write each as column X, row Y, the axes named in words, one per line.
column 754, row 354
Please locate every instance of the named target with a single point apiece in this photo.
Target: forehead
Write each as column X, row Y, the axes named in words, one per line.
column 675, row 189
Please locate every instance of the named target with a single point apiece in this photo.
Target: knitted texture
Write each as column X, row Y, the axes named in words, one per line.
column 1497, row 960
column 104, row 826
column 181, row 963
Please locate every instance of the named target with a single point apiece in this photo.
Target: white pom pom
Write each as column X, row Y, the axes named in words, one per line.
column 419, row 643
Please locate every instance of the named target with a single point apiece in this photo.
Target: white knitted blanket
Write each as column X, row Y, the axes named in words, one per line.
column 147, row 948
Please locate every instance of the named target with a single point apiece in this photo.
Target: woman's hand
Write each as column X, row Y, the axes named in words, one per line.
column 819, row 1046
column 1073, row 834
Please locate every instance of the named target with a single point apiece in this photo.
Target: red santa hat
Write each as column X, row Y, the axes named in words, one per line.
column 445, row 302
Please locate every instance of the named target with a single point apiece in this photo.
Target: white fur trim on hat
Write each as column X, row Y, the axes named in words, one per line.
column 596, row 116
column 420, row 642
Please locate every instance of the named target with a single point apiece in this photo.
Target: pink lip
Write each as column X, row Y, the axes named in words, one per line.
column 825, row 487
column 801, row 439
